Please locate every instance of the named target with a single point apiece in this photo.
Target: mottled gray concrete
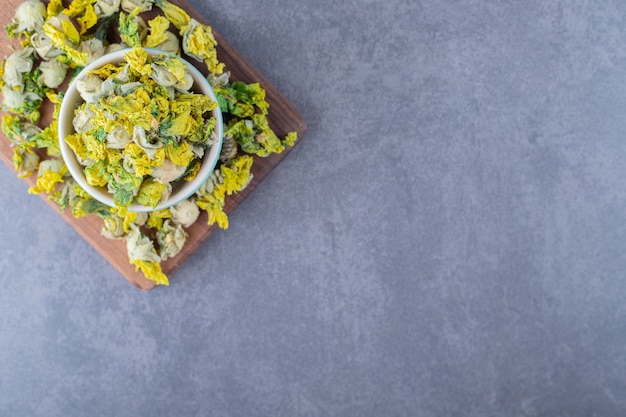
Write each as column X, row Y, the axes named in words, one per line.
column 448, row 239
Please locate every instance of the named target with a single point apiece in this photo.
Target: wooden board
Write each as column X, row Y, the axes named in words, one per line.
column 283, row 118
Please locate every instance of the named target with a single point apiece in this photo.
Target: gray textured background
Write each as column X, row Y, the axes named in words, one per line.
column 448, row 239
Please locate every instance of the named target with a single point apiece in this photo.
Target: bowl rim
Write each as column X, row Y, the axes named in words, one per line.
column 65, row 128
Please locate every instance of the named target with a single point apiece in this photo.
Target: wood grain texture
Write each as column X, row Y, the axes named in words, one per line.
column 283, row 118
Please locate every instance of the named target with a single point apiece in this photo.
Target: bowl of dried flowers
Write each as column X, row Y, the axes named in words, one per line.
column 140, row 128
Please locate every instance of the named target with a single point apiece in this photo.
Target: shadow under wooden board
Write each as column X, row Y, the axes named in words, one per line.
column 283, row 118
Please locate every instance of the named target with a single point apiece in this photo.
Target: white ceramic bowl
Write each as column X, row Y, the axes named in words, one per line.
column 181, row 190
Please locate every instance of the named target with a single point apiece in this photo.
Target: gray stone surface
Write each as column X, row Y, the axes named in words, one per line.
column 448, row 239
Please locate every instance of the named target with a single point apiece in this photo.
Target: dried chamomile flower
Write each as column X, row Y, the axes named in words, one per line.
column 220, row 80
column 23, row 136
column 168, row 171
column 29, row 17
column 147, row 146
column 130, row 5
column 211, row 184
column 83, row 12
column 142, row 254
column 123, row 185
column 43, row 46
column 229, row 148
column 82, row 119
column 171, row 72
column 199, row 150
column 16, row 65
column 113, row 227
column 138, row 163
column 157, row 28
column 152, row 271
column 137, row 218
column 21, row 102
column 237, row 174
column 61, row 30
column 140, row 247
column 152, row 192
column 48, row 139
column 132, row 28
column 161, row 38
column 51, row 173
column 90, row 88
column 105, row 8
column 241, row 100
column 25, row 161
column 179, row 153
column 91, row 49
column 65, row 37
column 18, row 130
column 130, row 218
column 255, row 136
column 96, row 173
column 185, row 213
column 137, row 60
column 64, row 194
column 214, row 207
column 156, row 218
column 171, row 239
column 118, row 138
column 231, row 178
column 199, row 43
column 82, row 204
column 53, row 73
column 55, row 98
column 173, row 13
